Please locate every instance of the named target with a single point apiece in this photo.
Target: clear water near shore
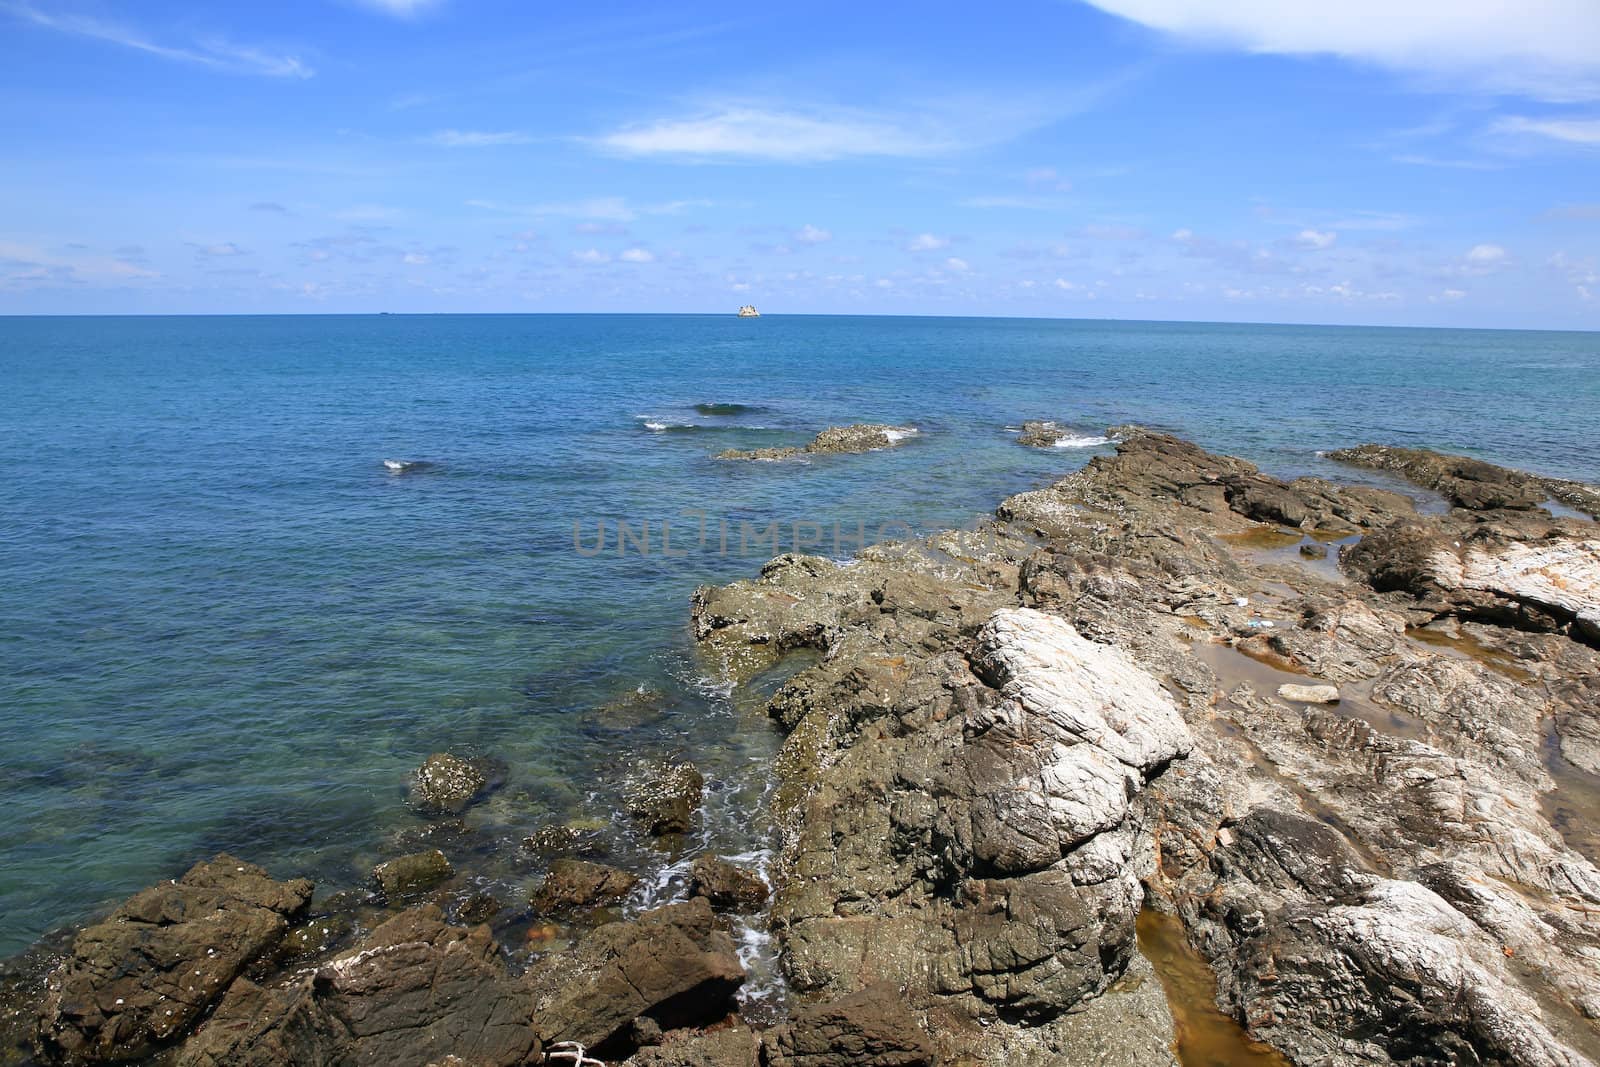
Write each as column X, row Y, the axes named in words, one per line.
column 225, row 624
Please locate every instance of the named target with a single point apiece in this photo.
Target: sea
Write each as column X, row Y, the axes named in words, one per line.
column 227, row 624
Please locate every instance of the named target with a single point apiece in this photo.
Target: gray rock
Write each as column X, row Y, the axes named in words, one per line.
column 573, row 885
column 663, row 797
column 1310, row 694
column 871, row 1028
column 860, row 437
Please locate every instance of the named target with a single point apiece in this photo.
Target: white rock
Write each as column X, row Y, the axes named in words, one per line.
column 1562, row 575
column 1310, row 694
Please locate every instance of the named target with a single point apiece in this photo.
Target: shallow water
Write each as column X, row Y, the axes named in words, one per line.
column 224, row 623
column 1206, row 1037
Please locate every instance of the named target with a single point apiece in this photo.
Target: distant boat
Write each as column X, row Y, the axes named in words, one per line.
column 749, row 312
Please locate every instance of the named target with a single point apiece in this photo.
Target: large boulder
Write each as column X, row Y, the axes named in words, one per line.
column 415, row 992
column 409, row 875
column 446, row 784
column 139, row 980
column 672, row 965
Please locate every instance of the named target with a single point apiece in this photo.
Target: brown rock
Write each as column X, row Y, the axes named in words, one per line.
column 576, row 884
column 406, row 876
column 140, row 979
column 872, row 1028
column 725, row 884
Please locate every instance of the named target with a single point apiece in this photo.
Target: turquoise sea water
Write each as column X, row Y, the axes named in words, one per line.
column 224, row 624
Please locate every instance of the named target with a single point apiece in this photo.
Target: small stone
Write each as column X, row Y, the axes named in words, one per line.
column 1313, row 550
column 406, row 875
column 1310, row 694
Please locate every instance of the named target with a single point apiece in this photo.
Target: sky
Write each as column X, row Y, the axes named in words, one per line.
column 1406, row 162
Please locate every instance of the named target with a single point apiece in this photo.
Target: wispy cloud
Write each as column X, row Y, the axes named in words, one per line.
column 602, row 208
column 1545, row 49
column 637, row 255
column 475, row 138
column 1019, row 203
column 399, row 8
column 1316, row 239
column 222, row 249
column 812, row 235
column 782, row 136
column 214, row 52
column 927, row 242
column 1584, row 132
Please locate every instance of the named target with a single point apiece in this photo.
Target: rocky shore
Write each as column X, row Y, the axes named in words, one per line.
column 1361, row 784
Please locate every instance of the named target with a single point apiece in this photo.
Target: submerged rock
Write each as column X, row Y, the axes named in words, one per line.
column 405, row 876
column 1472, row 483
column 571, row 885
column 1039, row 433
column 139, row 980
column 446, row 784
column 415, row 992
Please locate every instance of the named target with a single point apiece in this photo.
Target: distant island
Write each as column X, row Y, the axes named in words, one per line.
column 749, row 312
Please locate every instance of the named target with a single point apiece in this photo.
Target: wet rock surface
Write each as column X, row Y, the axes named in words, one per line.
column 406, row 876
column 572, row 885
column 663, row 797
column 726, row 884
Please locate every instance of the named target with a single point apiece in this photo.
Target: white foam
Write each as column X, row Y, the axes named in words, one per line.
column 900, row 434
column 652, row 425
column 1077, row 441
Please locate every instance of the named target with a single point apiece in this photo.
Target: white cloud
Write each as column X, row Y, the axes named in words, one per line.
column 415, row 259
column 223, row 249
column 812, row 235
column 213, row 52
column 1317, row 239
column 1065, row 286
column 1452, row 295
column 957, row 264
column 783, row 136
column 638, row 255
column 1548, row 49
column 1571, row 131
column 475, row 138
column 927, row 242
column 591, row 256
column 1022, row 203
column 1485, row 254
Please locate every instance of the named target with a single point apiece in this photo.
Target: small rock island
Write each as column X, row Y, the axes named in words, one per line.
column 749, row 312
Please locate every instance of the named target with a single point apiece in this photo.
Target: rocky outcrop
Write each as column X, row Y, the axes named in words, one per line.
column 1014, row 738
column 870, row 1028
column 1040, row 433
column 860, row 437
column 139, row 980
column 415, row 992
column 672, row 966
column 1472, row 483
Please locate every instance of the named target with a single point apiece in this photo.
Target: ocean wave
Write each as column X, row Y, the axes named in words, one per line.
column 901, row 434
column 1080, row 441
column 727, row 409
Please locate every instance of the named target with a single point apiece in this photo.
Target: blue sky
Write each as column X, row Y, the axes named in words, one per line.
column 1427, row 162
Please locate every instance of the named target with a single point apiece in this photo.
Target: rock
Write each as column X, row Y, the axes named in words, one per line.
column 736, row 1046
column 416, row 991
column 871, row 1028
column 1313, row 550
column 405, row 876
column 139, row 980
column 578, row 884
column 1471, row 483
column 725, row 884
column 578, row 837
column 860, row 437
column 447, row 784
column 663, row 797
column 1310, row 694
column 1039, row 433
column 671, row 964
